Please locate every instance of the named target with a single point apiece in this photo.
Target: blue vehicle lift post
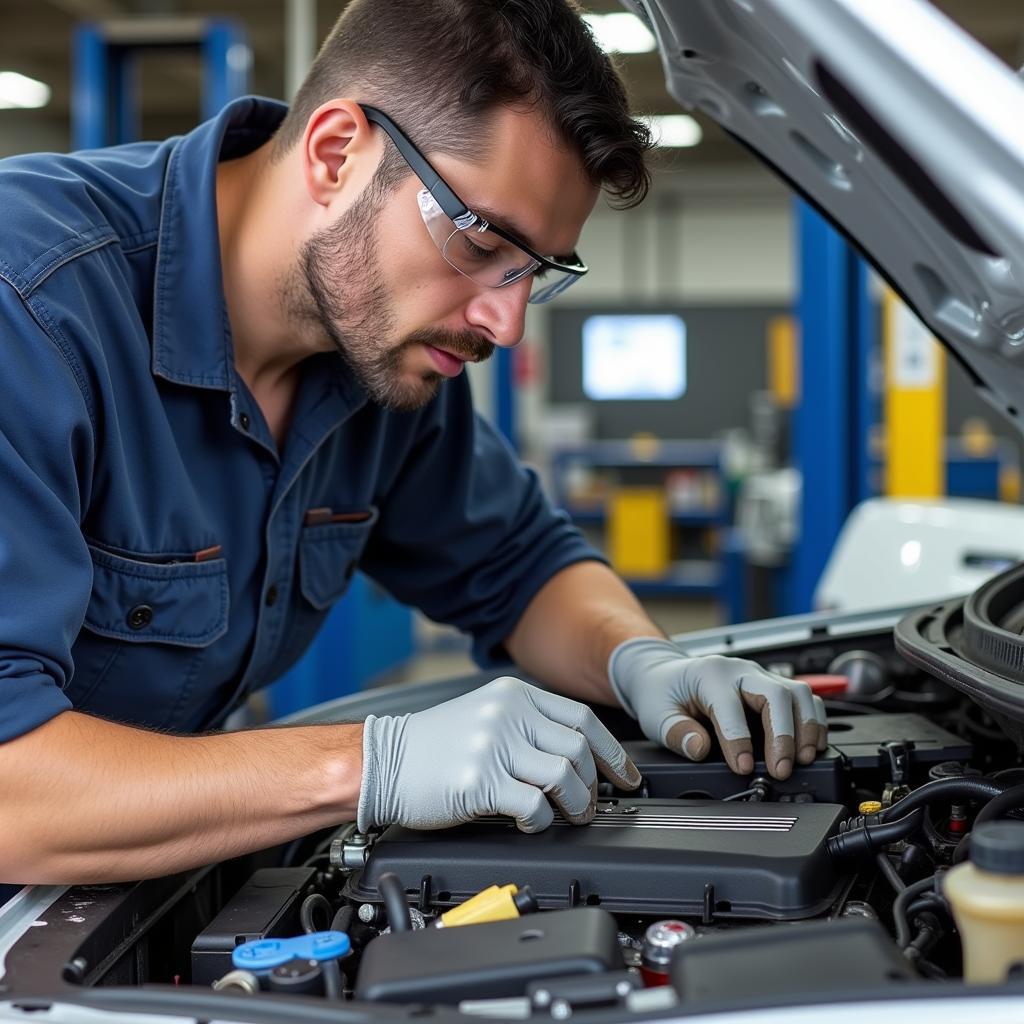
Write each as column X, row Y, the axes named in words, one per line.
column 104, row 99
column 838, row 407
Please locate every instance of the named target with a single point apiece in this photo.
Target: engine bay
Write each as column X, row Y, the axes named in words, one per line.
column 702, row 890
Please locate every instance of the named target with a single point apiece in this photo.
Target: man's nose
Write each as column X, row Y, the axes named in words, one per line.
column 501, row 312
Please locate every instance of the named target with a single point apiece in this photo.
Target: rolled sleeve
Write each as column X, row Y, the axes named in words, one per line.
column 45, row 455
column 466, row 532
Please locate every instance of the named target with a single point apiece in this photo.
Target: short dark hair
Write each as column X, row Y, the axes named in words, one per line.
column 438, row 67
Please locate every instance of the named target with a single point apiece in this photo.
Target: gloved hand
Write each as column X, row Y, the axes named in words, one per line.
column 502, row 749
column 665, row 691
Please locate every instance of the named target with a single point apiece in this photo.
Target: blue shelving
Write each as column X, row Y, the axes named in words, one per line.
column 707, row 508
column 693, row 579
column 596, row 517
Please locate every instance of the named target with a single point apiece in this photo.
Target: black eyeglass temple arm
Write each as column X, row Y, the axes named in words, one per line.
column 449, row 202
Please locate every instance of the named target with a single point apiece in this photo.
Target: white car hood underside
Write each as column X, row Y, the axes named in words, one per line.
column 905, row 132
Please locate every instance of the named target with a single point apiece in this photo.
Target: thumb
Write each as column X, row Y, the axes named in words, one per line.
column 685, row 735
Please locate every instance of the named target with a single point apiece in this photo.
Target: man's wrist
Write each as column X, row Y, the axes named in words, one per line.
column 369, row 778
column 380, row 798
column 629, row 657
column 339, row 767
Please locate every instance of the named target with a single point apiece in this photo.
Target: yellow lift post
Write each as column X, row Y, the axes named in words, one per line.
column 915, row 412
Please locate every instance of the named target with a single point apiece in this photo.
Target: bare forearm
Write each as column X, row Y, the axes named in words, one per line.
column 571, row 627
column 85, row 800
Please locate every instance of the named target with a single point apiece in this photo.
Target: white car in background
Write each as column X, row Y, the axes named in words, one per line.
column 896, row 552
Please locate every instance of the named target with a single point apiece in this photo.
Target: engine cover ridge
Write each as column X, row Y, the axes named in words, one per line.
column 761, row 860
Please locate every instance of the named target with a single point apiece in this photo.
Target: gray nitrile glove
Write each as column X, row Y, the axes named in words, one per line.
column 665, row 691
column 502, row 749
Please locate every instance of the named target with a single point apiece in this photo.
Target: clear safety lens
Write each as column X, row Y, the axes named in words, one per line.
column 486, row 257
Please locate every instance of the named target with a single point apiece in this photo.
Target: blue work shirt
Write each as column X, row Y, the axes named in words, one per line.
column 159, row 558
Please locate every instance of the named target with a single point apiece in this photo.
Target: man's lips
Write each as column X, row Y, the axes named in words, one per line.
column 446, row 363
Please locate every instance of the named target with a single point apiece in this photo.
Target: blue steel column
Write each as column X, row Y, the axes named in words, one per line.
column 505, row 395
column 105, row 106
column 836, row 409
column 865, row 380
column 124, row 80
column 90, row 96
column 226, row 64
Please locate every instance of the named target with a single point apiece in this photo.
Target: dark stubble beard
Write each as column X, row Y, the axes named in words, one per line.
column 341, row 288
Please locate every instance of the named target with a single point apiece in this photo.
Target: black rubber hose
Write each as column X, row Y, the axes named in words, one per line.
column 891, row 874
column 899, row 909
column 929, row 933
column 937, row 841
column 1011, row 799
column 966, row 787
column 332, row 978
column 310, row 906
column 868, row 839
column 343, row 919
column 963, row 848
column 390, row 887
column 929, row 901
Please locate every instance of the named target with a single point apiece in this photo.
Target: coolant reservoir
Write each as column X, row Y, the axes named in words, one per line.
column 987, row 898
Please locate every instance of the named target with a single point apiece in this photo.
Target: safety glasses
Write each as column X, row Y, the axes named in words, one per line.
column 470, row 244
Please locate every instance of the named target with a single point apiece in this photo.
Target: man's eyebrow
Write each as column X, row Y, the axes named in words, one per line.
column 501, row 221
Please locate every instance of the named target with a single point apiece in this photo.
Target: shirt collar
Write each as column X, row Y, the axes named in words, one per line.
column 191, row 334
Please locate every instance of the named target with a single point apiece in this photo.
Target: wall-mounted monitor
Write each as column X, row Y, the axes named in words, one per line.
column 634, row 357
column 696, row 388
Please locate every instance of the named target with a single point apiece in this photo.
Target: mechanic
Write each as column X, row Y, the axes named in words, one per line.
column 234, row 372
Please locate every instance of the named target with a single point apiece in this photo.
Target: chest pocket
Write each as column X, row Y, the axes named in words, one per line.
column 329, row 555
column 147, row 630
column 182, row 603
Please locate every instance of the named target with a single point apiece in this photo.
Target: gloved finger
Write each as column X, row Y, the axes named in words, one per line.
column 806, row 715
column 562, row 741
column 685, row 735
column 611, row 760
column 556, row 777
column 527, row 804
column 822, row 717
column 771, row 699
column 725, row 709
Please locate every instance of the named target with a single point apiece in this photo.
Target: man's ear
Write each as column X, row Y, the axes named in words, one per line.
column 335, row 144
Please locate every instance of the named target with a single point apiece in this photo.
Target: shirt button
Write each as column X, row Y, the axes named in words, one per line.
column 244, row 420
column 140, row 616
column 271, row 597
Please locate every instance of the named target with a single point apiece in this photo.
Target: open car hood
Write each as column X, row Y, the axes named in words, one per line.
column 899, row 127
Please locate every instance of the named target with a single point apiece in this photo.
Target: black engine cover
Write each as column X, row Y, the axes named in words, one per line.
column 664, row 857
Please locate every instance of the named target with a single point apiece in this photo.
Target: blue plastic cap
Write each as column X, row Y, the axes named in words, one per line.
column 266, row 954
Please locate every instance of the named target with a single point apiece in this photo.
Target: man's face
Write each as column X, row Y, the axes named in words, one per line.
column 403, row 319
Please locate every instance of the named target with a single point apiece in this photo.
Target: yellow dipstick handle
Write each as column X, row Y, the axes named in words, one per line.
column 497, row 903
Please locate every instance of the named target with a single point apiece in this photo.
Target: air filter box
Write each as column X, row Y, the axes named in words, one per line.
column 845, row 957
column 487, row 961
column 267, row 905
column 667, row 857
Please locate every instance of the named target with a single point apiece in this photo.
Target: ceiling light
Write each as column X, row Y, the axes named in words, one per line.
column 674, row 130
column 621, row 32
column 20, row 91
